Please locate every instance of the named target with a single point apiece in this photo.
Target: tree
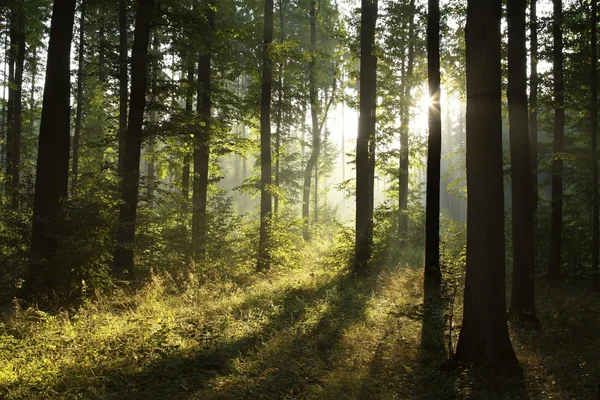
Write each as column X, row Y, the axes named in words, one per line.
column 265, row 139
column 202, row 140
column 594, row 132
column 407, row 77
column 52, row 171
column 366, row 136
column 533, row 101
column 79, row 97
column 123, row 83
column 316, row 131
column 434, row 151
column 123, row 265
column 522, row 305
column 558, row 147
column 483, row 338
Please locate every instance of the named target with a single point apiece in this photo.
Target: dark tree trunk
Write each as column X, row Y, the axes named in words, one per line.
column 123, row 266
column 123, row 76
column 10, row 108
column 404, row 128
column 150, row 174
column 18, row 111
column 483, row 339
column 558, row 147
column 594, row 128
column 366, row 134
column 533, row 97
column 263, row 262
column 201, row 143
column 522, row 304
column 316, row 133
column 434, row 152
column 185, row 180
column 79, row 99
column 46, row 277
column 279, row 109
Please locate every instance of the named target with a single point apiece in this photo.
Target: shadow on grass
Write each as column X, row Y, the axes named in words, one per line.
column 288, row 355
column 562, row 359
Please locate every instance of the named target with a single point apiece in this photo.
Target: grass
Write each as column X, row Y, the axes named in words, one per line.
column 314, row 332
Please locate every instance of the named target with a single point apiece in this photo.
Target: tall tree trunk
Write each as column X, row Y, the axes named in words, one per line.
column 594, row 128
column 150, row 174
column 123, row 266
column 4, row 107
column 46, row 278
column 522, row 305
column 533, row 100
column 483, row 338
column 185, row 180
column 279, row 108
column 404, row 128
column 316, row 134
column 18, row 111
column 10, row 109
column 123, row 77
column 558, row 147
column 366, row 134
column 79, row 99
column 201, row 142
column 263, row 262
column 434, row 151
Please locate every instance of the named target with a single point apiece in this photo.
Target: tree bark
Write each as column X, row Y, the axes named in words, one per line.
column 150, row 174
column 123, row 83
column 558, row 147
column 522, row 305
column 483, row 339
column 263, row 262
column 185, row 180
column 10, row 108
column 404, row 128
column 279, row 108
column 594, row 129
column 46, row 278
column 316, row 133
column 201, row 142
column 123, row 265
column 533, row 100
column 18, row 110
column 366, row 134
column 79, row 99
column 434, row 151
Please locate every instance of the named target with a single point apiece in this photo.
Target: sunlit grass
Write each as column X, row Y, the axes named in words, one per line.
column 313, row 332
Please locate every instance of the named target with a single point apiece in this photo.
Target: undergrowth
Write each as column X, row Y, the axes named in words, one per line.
column 310, row 332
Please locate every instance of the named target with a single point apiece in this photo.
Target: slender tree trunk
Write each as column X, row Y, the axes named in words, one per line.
column 10, row 109
column 201, row 143
column 185, row 180
column 150, row 174
column 79, row 99
column 18, row 123
column 522, row 305
column 316, row 134
column 533, row 96
column 123, row 83
column 483, row 338
column 558, row 147
column 404, row 128
column 366, row 134
column 4, row 108
column 279, row 108
column 434, row 151
column 46, row 278
column 123, row 266
column 594, row 128
column 263, row 262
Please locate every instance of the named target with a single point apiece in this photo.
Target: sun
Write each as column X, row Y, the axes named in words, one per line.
column 425, row 102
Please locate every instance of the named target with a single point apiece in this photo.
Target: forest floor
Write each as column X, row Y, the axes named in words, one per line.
column 310, row 333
